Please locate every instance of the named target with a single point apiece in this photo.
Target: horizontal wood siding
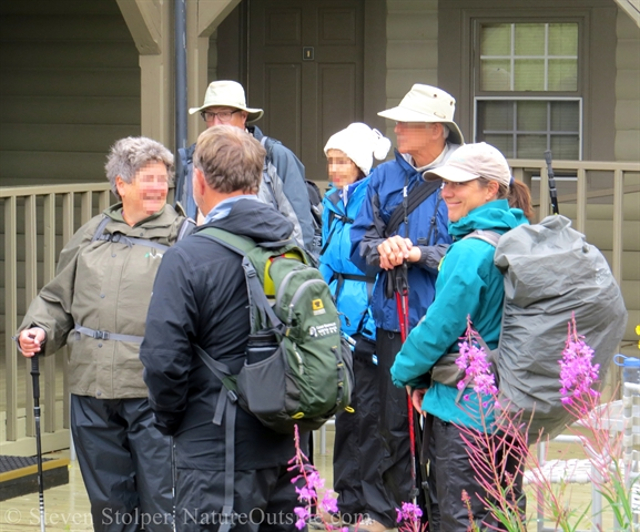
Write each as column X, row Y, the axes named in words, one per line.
column 627, row 142
column 70, row 87
column 412, row 48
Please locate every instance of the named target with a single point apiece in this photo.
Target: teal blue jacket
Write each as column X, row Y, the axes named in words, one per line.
column 468, row 284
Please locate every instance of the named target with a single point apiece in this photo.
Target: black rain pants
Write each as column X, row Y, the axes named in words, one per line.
column 263, row 500
column 125, row 464
column 356, row 449
column 454, row 472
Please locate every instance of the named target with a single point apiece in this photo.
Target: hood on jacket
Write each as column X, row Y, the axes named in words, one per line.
column 495, row 216
column 256, row 220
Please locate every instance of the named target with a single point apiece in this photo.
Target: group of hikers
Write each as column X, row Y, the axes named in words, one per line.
column 137, row 288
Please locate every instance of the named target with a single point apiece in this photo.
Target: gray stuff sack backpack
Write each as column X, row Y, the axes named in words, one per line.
column 550, row 274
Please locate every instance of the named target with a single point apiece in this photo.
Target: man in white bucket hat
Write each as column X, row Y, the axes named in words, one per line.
column 283, row 183
column 400, row 234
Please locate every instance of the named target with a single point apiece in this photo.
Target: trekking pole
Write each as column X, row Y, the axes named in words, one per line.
column 35, row 376
column 402, row 304
column 553, row 192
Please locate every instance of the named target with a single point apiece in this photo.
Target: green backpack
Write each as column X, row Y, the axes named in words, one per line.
column 299, row 369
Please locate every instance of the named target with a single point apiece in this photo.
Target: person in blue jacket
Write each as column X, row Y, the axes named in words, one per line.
column 350, row 154
column 480, row 195
column 403, row 220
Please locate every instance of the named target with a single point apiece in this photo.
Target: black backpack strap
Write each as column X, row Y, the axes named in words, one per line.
column 332, row 216
column 415, row 197
column 228, row 404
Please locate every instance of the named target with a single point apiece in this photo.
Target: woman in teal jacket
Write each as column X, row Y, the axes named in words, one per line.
column 350, row 155
column 478, row 190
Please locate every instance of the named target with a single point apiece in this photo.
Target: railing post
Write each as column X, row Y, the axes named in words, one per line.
column 68, row 211
column 11, row 310
column 49, row 411
column 581, row 201
column 85, row 207
column 31, row 289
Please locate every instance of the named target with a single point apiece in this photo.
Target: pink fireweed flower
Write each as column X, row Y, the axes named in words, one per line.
column 329, row 504
column 303, row 516
column 409, row 512
column 473, row 360
column 577, row 373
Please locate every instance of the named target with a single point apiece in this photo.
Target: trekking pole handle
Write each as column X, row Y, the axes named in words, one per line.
column 35, row 374
column 553, row 191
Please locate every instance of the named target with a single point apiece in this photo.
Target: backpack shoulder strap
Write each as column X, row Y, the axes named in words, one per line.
column 490, row 237
column 257, row 298
column 120, row 237
column 100, row 229
column 226, row 405
column 416, row 196
column 187, row 228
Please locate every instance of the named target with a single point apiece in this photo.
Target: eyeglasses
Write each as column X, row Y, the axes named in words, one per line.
column 223, row 116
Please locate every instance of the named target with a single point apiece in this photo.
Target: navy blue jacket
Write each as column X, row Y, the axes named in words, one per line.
column 429, row 232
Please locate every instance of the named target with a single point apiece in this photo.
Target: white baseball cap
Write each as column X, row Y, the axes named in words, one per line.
column 424, row 103
column 361, row 144
column 229, row 94
column 472, row 161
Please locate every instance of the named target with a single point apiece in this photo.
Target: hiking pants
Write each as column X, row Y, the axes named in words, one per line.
column 125, row 464
column 454, row 473
column 393, row 455
column 263, row 500
column 356, row 447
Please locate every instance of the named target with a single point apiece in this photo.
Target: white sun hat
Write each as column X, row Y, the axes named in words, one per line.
column 472, row 161
column 424, row 103
column 229, row 94
column 361, row 144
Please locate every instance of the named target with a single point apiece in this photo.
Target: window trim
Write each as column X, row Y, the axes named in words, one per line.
column 548, row 98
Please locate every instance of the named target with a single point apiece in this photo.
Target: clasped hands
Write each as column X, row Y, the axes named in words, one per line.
column 395, row 250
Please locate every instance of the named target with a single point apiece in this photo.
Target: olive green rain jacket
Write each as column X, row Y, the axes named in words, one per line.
column 104, row 286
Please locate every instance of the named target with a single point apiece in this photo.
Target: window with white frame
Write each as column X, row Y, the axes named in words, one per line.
column 527, row 97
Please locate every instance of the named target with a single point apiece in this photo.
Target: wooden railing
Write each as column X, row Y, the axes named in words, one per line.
column 39, row 220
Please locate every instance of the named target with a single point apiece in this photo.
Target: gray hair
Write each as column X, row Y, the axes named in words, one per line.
column 130, row 154
column 230, row 159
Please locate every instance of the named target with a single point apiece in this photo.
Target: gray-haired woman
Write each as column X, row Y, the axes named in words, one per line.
column 97, row 305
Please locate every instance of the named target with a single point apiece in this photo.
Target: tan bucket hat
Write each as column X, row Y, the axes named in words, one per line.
column 424, row 103
column 230, row 94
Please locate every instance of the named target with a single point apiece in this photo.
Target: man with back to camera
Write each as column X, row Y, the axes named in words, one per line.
column 381, row 243
column 283, row 183
column 200, row 298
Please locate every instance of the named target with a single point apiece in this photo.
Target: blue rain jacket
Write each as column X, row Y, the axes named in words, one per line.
column 384, row 194
column 469, row 284
column 348, row 283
